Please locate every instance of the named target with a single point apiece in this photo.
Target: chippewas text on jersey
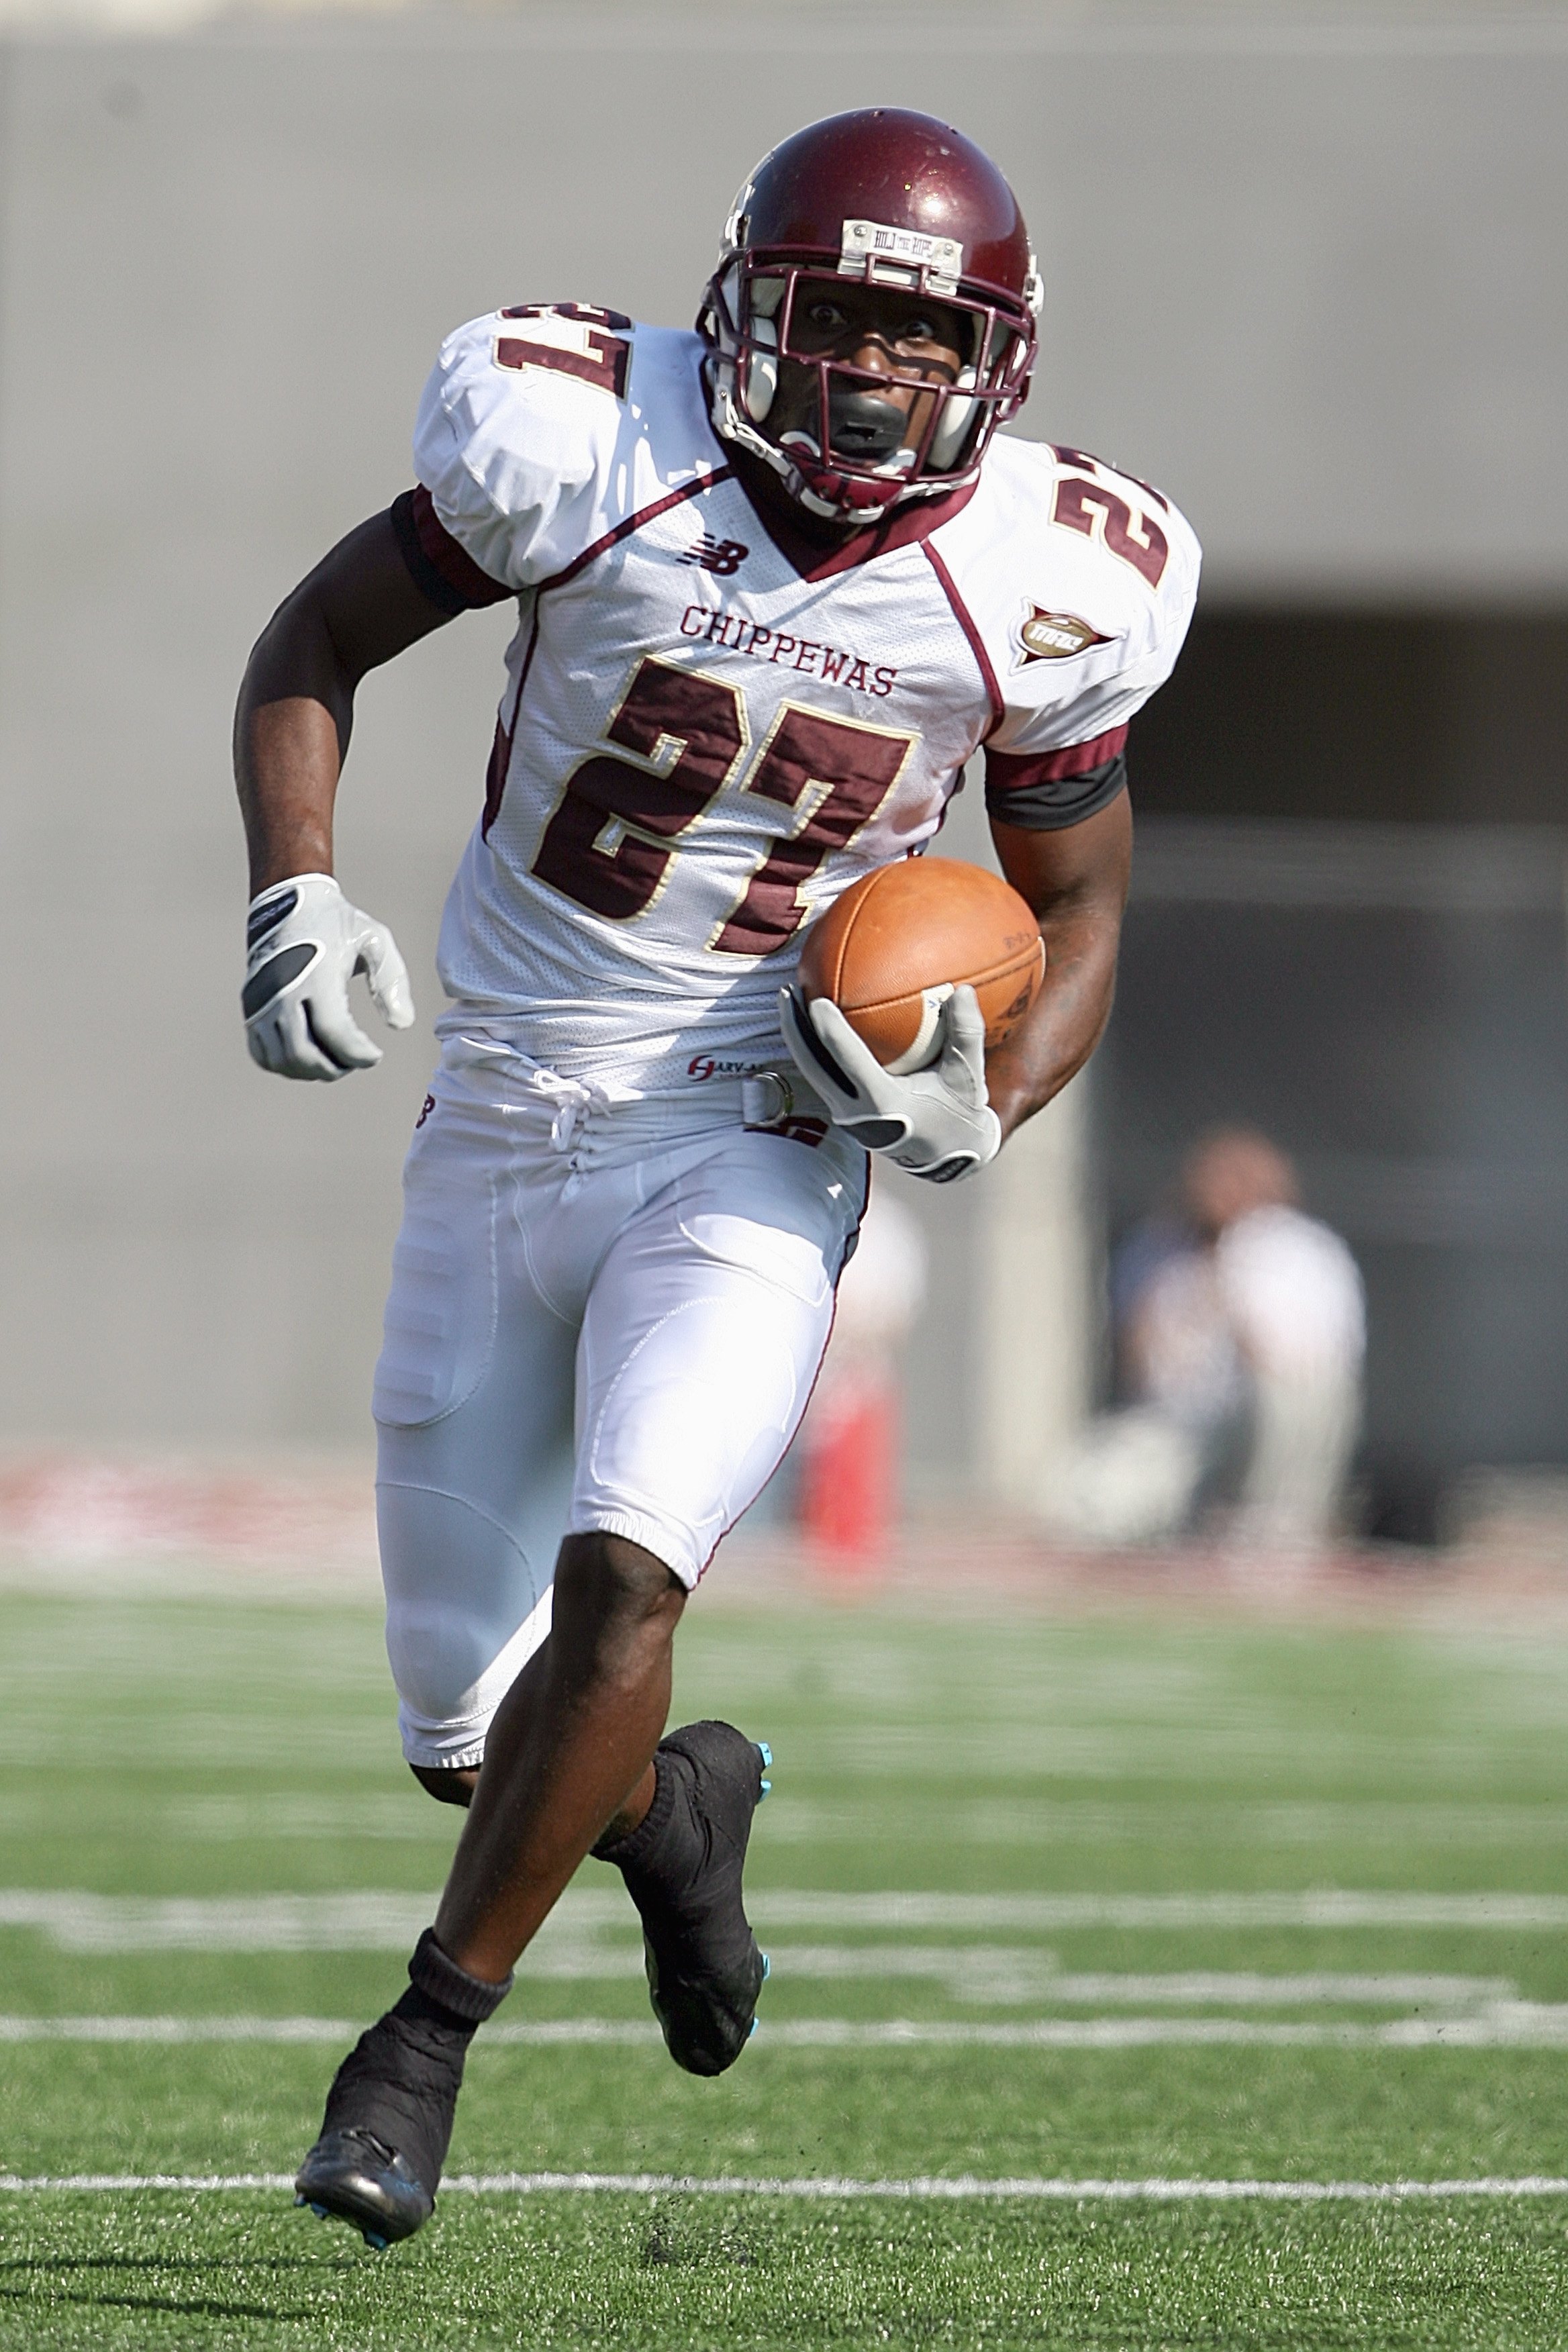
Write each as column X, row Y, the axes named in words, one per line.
column 703, row 740
column 714, row 625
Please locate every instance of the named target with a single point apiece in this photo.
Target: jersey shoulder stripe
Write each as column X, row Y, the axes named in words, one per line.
column 961, row 614
column 698, row 484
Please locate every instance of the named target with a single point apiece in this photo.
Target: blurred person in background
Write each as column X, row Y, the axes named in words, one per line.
column 1241, row 1331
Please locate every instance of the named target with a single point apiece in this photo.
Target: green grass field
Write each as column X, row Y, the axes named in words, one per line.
column 213, row 1865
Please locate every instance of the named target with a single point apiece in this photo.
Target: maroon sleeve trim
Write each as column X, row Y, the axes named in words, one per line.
column 1065, row 800
column 442, row 569
column 1013, row 772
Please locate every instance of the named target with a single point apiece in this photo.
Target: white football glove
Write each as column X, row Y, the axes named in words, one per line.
column 304, row 943
column 937, row 1122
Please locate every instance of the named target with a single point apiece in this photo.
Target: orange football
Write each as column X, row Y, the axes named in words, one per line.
column 893, row 949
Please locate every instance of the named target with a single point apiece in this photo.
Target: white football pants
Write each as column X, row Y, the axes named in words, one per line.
column 602, row 1315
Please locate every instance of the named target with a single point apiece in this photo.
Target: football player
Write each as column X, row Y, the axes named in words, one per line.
column 776, row 580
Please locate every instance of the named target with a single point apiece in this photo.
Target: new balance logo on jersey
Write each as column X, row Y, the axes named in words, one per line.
column 722, row 557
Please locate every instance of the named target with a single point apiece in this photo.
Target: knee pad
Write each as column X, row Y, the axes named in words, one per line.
column 466, row 1608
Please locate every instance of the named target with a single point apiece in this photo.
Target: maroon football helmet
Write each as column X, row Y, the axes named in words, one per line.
column 885, row 198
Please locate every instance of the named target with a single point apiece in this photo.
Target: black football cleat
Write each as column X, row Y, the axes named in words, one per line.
column 350, row 2176
column 704, row 1969
column 377, row 2164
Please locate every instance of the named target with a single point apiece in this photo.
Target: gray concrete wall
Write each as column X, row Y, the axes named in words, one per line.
column 1311, row 290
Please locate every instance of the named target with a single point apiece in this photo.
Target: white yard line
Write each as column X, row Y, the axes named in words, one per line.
column 777, row 1907
column 939, row 2189
column 1504, row 2025
column 177, row 2028
column 1517, row 2025
column 221, row 1923
column 1016, row 1974
column 389, row 1921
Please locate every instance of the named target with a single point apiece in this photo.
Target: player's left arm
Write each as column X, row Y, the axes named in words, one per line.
column 1056, row 775
column 1075, row 880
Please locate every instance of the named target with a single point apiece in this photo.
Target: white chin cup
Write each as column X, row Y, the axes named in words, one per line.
column 957, row 416
column 762, row 373
column 761, row 367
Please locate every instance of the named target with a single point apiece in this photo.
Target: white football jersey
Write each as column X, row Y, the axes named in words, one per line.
column 711, row 725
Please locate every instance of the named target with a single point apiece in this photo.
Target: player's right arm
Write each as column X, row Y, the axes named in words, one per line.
column 360, row 607
column 519, row 418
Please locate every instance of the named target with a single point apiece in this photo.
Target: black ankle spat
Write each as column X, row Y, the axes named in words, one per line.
column 682, row 1866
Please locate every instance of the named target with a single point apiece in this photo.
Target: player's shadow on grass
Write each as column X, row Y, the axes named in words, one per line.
column 201, row 2307
column 44, row 2267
